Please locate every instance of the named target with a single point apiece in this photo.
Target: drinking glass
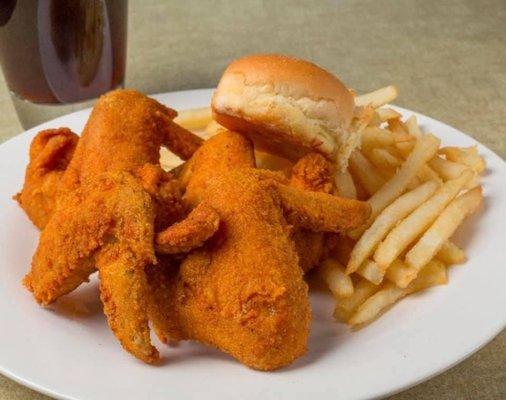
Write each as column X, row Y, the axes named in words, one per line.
column 57, row 55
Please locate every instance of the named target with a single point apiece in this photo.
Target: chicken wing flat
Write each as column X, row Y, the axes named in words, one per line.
column 106, row 224
column 111, row 197
column 312, row 172
column 244, row 291
column 50, row 153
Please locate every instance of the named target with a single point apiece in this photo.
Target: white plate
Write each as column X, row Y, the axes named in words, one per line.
column 69, row 352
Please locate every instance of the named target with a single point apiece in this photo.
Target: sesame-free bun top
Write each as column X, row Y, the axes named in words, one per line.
column 287, row 106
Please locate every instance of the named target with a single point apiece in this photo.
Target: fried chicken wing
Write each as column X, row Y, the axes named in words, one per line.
column 111, row 198
column 312, row 172
column 190, row 233
column 322, row 212
column 229, row 151
column 106, row 224
column 247, row 295
column 50, row 153
column 244, row 292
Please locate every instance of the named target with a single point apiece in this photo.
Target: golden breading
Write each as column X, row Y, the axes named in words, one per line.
column 50, row 153
column 244, row 291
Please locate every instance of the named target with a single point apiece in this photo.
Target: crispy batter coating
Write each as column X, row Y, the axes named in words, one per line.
column 50, row 153
column 166, row 192
column 180, row 141
column 310, row 247
column 229, row 151
column 315, row 173
column 245, row 295
column 243, row 291
column 202, row 222
column 125, row 131
column 162, row 280
column 105, row 213
column 127, row 250
column 106, row 223
column 322, row 212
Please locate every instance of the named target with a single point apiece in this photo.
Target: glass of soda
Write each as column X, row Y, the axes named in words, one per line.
column 57, row 55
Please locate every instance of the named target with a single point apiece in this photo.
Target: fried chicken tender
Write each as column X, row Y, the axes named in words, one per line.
column 50, row 153
column 111, row 198
column 244, row 291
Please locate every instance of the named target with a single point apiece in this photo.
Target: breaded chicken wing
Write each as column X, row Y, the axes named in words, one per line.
column 111, row 198
column 244, row 292
column 312, row 172
column 50, row 153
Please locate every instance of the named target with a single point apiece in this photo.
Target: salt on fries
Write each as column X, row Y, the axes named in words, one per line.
column 419, row 194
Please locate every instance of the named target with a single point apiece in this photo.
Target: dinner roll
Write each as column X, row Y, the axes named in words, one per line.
column 287, row 106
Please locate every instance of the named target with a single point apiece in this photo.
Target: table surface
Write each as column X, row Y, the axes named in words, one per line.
column 447, row 57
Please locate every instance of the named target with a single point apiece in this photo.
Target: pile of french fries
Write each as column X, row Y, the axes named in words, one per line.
column 419, row 193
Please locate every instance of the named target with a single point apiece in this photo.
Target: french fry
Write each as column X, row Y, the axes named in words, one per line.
column 404, row 146
column 194, row 119
column 467, row 157
column 428, row 174
column 212, row 129
column 470, row 150
column 346, row 307
column 413, row 127
column 365, row 172
column 384, row 114
column 443, row 227
column 400, row 273
column 168, row 160
column 397, row 127
column 446, row 169
column 425, row 148
column 338, row 282
column 378, row 98
column 417, row 222
column 433, row 274
column 451, row 254
column 344, row 185
column 371, row 271
column 386, row 220
column 406, row 239
column 383, row 159
column 270, row 161
column 376, row 137
column 425, row 173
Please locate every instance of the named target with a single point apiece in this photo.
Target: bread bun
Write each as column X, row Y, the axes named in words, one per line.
column 286, row 106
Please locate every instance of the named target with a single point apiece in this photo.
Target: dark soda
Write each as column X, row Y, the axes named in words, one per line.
column 62, row 51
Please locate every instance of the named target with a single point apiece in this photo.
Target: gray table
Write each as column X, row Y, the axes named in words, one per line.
column 448, row 57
